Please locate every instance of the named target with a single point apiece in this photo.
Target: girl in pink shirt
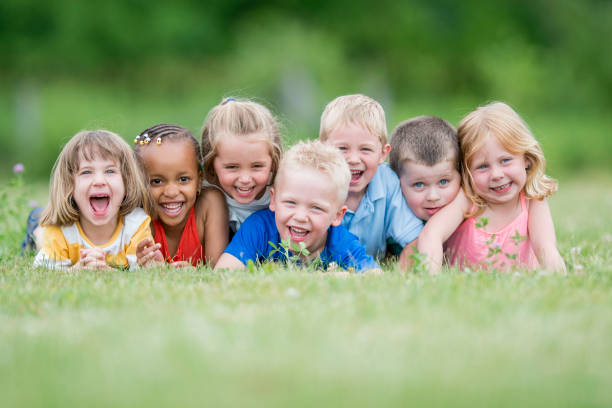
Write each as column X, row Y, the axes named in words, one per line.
column 501, row 217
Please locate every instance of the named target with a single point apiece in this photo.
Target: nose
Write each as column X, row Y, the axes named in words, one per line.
column 99, row 178
column 433, row 194
column 352, row 157
column 299, row 214
column 244, row 177
column 171, row 190
column 496, row 172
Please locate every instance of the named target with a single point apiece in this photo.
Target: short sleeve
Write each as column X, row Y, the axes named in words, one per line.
column 401, row 224
column 54, row 252
column 143, row 232
column 251, row 240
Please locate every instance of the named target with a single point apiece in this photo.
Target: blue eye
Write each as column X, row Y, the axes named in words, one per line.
column 155, row 182
column 418, row 184
column 444, row 182
column 482, row 166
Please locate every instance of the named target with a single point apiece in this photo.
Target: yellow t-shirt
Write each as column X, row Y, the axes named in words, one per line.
column 61, row 245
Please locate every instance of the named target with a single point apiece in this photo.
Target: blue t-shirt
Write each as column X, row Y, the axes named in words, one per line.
column 383, row 214
column 252, row 242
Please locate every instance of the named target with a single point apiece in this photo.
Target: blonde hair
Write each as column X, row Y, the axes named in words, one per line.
column 359, row 110
column 321, row 157
column 499, row 120
column 239, row 118
column 89, row 144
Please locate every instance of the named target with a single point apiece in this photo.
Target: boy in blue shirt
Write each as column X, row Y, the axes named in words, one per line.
column 376, row 209
column 306, row 206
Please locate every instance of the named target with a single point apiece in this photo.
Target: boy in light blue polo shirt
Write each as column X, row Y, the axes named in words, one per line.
column 376, row 209
column 306, row 206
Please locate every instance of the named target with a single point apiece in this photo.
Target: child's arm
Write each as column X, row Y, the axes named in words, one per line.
column 91, row 258
column 229, row 261
column 213, row 218
column 439, row 228
column 542, row 236
column 404, row 258
column 148, row 253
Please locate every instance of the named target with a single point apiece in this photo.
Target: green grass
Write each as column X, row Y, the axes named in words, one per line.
column 286, row 337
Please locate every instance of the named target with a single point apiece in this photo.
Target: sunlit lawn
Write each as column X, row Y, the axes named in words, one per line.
column 290, row 337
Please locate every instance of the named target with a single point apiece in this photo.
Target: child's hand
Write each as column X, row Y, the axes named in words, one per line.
column 180, row 264
column 91, row 258
column 148, row 253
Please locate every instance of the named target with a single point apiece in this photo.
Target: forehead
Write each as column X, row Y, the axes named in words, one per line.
column 93, row 153
column 352, row 133
column 170, row 155
column 414, row 170
column 304, row 180
column 251, row 147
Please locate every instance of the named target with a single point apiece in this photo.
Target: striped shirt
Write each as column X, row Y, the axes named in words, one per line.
column 61, row 245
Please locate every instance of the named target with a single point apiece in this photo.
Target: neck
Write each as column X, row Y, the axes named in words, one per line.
column 174, row 232
column 353, row 200
column 99, row 235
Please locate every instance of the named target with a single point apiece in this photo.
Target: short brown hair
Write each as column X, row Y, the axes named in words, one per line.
column 424, row 139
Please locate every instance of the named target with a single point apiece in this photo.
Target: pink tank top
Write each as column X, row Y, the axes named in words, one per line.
column 471, row 246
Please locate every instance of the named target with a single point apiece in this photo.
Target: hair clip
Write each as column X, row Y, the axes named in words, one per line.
column 159, row 141
column 137, row 139
column 230, row 99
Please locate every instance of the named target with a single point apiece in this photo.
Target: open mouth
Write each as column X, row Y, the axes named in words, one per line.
column 503, row 188
column 244, row 191
column 356, row 176
column 99, row 204
column 298, row 234
column 432, row 211
column 172, row 209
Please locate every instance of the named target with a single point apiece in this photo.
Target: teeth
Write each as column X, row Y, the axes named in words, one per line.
column 244, row 189
column 172, row 206
column 355, row 172
column 501, row 187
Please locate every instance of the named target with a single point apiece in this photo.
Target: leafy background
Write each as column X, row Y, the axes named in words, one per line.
column 68, row 65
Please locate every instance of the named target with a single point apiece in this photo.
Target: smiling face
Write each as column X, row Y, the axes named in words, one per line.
column 305, row 203
column 429, row 188
column 174, row 179
column 363, row 152
column 243, row 166
column 98, row 191
column 498, row 175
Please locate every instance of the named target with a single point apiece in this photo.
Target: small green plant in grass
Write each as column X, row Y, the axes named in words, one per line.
column 419, row 265
column 292, row 251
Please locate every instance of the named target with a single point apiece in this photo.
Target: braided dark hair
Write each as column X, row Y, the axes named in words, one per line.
column 166, row 131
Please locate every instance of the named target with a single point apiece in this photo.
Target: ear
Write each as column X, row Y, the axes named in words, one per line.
column 339, row 215
column 385, row 152
column 272, row 205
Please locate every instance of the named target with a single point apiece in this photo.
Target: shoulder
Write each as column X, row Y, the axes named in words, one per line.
column 135, row 220
column 260, row 218
column 53, row 234
column 345, row 249
column 210, row 199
